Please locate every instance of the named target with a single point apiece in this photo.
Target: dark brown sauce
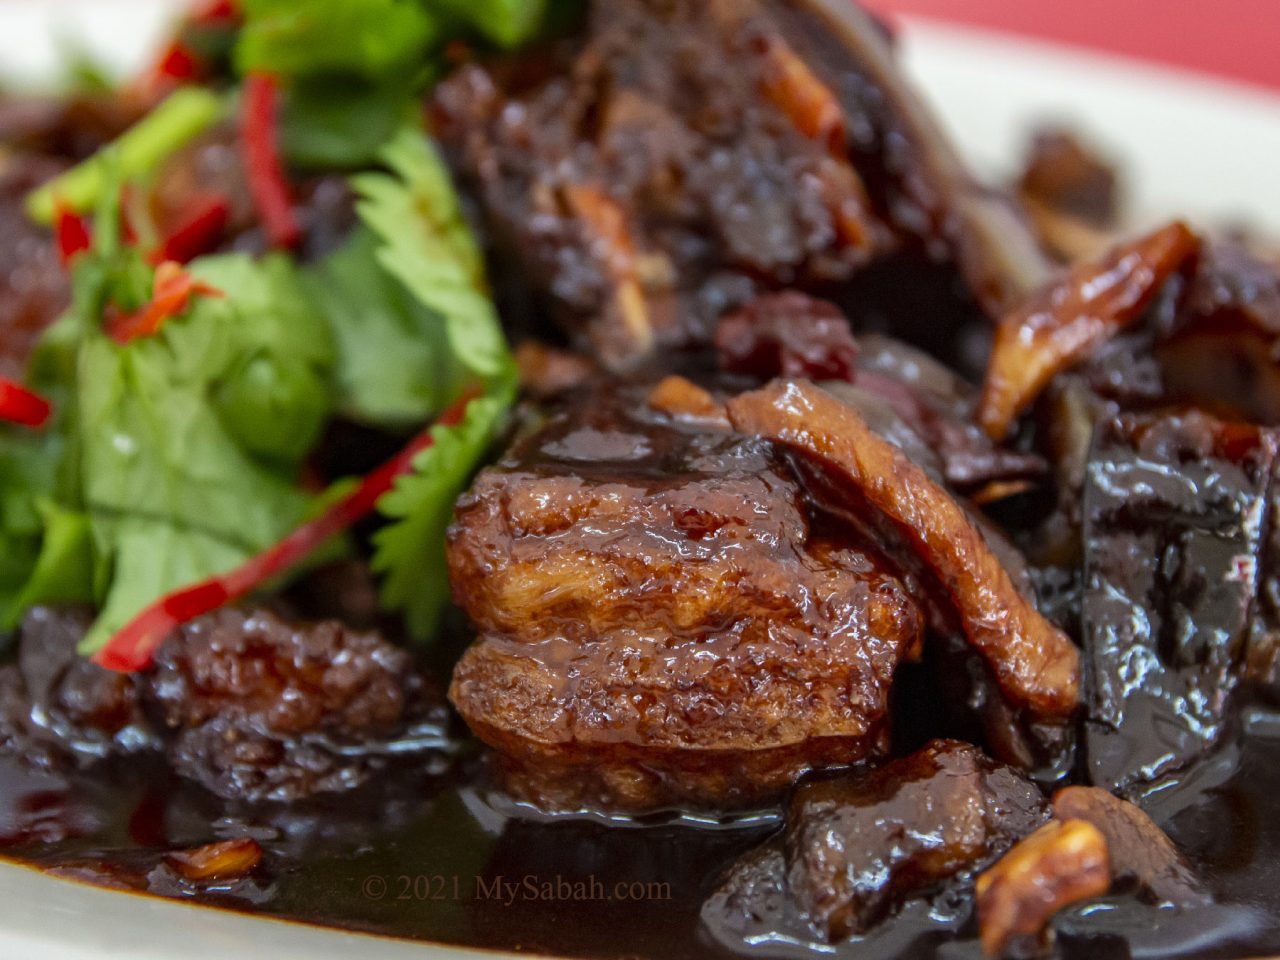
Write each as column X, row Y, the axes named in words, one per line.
column 448, row 861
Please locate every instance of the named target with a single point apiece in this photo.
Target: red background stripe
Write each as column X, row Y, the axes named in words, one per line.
column 1238, row 39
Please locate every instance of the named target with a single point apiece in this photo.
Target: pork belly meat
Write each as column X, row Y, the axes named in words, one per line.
column 660, row 620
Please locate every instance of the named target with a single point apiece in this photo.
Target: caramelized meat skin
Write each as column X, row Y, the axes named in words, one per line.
column 1174, row 509
column 1067, row 320
column 1062, row 863
column 659, row 621
column 1036, row 666
column 1140, row 851
column 787, row 335
column 674, row 159
column 259, row 709
column 859, row 845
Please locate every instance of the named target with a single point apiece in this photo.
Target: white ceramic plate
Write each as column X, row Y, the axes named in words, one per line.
column 1188, row 145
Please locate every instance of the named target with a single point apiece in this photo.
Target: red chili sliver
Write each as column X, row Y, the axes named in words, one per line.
column 215, row 13
column 263, row 167
column 135, row 645
column 19, row 405
column 178, row 63
column 170, row 296
column 198, row 232
column 72, row 234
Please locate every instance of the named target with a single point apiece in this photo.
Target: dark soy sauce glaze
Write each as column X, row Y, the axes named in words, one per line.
column 385, row 859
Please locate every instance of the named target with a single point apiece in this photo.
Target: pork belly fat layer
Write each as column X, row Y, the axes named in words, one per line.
column 659, row 621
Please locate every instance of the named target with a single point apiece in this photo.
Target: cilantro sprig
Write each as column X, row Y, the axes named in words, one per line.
column 174, row 456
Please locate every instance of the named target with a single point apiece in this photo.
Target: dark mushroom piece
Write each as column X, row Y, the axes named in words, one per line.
column 1174, row 513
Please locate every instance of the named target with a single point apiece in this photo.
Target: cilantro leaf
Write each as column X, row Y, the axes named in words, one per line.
column 62, row 571
column 506, row 23
column 171, row 495
column 368, row 38
column 394, row 364
column 427, row 246
column 409, row 552
column 28, row 472
column 275, row 396
column 339, row 122
column 177, row 452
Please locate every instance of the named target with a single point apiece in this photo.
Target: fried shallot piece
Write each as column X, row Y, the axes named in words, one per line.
column 1035, row 664
column 1065, row 321
column 659, row 621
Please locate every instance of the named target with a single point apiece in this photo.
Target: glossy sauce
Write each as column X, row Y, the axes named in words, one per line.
column 446, row 860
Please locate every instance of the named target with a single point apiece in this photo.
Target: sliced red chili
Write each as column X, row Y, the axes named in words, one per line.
column 263, row 166
column 170, row 296
column 22, row 406
column 72, row 233
column 136, row 643
column 216, row 13
column 178, row 64
column 201, row 225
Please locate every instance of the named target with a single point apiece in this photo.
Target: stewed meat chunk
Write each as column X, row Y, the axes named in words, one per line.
column 660, row 619
column 259, row 709
column 682, row 156
column 249, row 706
column 859, row 845
column 882, row 858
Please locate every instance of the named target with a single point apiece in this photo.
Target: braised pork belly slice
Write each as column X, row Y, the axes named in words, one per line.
column 660, row 620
